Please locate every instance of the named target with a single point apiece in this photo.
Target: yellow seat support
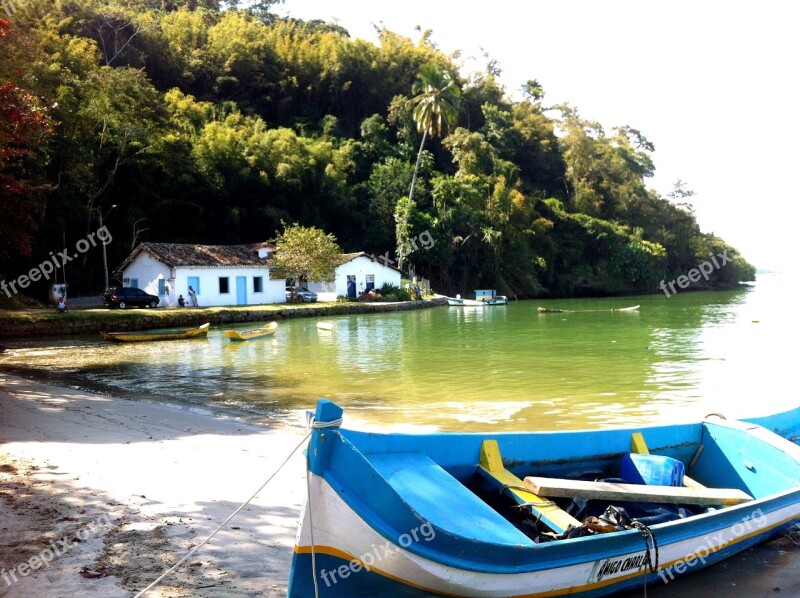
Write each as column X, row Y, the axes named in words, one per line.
column 639, row 446
column 492, row 469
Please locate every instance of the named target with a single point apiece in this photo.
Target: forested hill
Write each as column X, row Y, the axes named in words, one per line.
column 181, row 121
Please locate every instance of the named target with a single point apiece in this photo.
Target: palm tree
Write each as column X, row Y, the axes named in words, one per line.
column 436, row 102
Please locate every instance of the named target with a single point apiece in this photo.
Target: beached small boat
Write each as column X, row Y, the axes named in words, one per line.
column 553, row 310
column 162, row 334
column 246, row 335
column 584, row 513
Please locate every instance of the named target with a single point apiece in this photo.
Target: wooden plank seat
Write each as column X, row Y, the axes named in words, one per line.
column 610, row 491
column 492, row 470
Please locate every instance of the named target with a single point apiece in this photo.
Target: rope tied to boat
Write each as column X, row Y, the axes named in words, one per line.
column 313, row 424
column 793, row 534
column 227, row 519
column 650, row 543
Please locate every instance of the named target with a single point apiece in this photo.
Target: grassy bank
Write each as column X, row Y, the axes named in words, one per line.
column 38, row 322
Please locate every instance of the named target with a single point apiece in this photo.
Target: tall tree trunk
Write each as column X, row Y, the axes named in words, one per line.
column 416, row 166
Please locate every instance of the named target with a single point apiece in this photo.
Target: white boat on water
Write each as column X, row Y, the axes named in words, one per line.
column 459, row 302
column 482, row 298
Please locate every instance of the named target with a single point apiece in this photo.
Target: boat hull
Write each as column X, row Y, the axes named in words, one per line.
column 247, row 335
column 555, row 310
column 393, row 515
column 157, row 335
column 455, row 302
column 499, row 300
column 375, row 565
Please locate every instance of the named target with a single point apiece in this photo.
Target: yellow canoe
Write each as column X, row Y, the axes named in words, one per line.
column 246, row 335
column 162, row 334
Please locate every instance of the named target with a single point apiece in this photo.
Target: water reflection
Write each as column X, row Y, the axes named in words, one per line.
column 468, row 368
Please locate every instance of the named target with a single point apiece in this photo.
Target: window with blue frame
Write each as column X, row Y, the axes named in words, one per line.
column 162, row 287
column 258, row 284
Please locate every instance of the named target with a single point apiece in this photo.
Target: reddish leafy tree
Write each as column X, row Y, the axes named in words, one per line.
column 24, row 129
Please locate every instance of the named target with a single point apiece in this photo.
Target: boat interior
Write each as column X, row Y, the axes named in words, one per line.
column 530, row 489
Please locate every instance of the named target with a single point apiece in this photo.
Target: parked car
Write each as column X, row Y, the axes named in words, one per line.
column 300, row 294
column 123, row 297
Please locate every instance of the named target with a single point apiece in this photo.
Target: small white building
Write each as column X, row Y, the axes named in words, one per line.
column 357, row 273
column 218, row 274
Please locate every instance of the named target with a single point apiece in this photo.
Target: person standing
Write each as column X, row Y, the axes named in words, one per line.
column 192, row 297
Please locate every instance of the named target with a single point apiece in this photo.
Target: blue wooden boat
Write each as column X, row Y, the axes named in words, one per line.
column 459, row 515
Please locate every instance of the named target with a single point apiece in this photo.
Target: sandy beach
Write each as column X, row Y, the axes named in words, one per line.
column 100, row 495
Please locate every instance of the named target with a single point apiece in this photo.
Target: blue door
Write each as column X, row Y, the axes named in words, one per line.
column 351, row 286
column 241, row 290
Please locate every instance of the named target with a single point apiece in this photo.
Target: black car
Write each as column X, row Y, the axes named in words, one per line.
column 123, row 297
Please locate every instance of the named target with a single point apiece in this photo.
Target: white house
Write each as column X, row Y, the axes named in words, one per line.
column 357, row 273
column 218, row 274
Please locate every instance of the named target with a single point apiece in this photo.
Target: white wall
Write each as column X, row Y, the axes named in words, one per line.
column 361, row 266
column 273, row 291
column 148, row 270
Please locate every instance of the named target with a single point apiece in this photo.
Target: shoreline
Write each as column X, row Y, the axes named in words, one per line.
column 108, row 493
column 47, row 322
column 124, row 488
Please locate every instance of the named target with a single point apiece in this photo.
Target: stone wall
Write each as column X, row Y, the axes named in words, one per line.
column 65, row 324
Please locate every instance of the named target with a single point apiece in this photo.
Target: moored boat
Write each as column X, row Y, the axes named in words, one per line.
column 459, row 302
column 490, row 297
column 554, row 310
column 161, row 334
column 326, row 326
column 537, row 514
column 246, row 335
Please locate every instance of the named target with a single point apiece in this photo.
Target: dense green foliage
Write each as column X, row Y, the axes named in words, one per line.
column 214, row 124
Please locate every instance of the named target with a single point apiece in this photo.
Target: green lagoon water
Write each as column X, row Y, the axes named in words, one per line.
column 475, row 369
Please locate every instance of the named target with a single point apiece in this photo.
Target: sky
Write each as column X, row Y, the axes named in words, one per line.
column 713, row 85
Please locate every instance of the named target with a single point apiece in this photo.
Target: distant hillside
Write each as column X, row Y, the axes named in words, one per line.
column 180, row 122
